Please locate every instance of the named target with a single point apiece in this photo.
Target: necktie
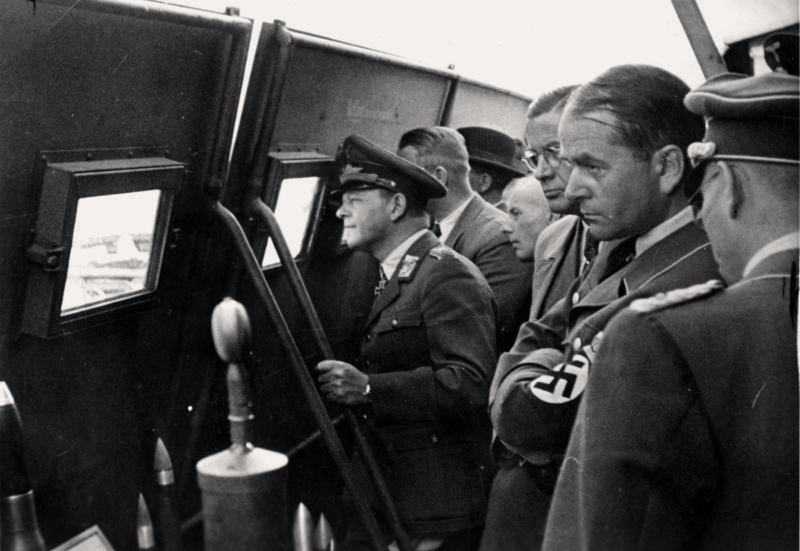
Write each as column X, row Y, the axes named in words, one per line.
column 437, row 231
column 619, row 256
column 381, row 282
column 590, row 247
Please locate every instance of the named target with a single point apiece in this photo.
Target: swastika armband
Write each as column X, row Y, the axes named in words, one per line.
column 566, row 381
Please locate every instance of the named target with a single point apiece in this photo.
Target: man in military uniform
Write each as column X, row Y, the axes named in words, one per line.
column 428, row 346
column 687, row 437
column 624, row 133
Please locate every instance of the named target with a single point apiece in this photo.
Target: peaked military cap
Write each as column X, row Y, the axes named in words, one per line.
column 366, row 165
column 492, row 148
column 749, row 118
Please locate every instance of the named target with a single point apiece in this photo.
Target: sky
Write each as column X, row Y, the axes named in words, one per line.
column 525, row 46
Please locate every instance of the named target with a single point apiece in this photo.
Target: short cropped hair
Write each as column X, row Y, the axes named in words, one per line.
column 549, row 102
column 647, row 103
column 437, row 145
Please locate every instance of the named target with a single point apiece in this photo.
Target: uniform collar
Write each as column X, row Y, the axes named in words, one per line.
column 668, row 226
column 785, row 243
column 390, row 263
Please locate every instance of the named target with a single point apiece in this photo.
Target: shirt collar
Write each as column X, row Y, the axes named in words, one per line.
column 665, row 228
column 447, row 223
column 389, row 264
column 785, row 243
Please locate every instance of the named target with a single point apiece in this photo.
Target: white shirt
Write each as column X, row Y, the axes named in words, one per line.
column 785, row 243
column 389, row 264
column 447, row 223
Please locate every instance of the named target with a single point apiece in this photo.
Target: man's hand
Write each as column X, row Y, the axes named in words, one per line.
column 342, row 382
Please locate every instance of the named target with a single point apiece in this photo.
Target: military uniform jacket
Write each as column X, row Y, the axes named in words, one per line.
column 478, row 235
column 687, row 437
column 557, row 263
column 429, row 349
column 538, row 384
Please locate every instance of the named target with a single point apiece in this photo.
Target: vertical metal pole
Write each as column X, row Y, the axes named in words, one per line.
column 699, row 37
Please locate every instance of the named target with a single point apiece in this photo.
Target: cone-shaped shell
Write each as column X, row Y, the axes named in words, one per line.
column 303, row 529
column 323, row 534
column 144, row 526
column 13, row 473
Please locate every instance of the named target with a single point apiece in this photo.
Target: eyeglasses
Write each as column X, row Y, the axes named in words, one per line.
column 551, row 154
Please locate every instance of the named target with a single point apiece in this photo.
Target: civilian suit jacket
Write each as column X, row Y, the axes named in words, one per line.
column 687, row 437
column 538, row 384
column 429, row 347
column 518, row 507
column 557, row 262
column 478, row 235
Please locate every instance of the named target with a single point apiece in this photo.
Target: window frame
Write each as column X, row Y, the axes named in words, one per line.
column 65, row 177
column 284, row 166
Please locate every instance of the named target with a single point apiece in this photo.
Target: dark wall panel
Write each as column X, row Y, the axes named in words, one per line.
column 96, row 75
column 329, row 95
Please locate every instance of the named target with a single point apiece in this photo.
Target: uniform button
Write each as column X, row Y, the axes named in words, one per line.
column 367, row 337
column 576, row 297
column 366, row 363
column 576, row 344
column 394, row 323
column 434, row 438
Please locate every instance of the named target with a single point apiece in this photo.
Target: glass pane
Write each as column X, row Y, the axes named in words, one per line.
column 111, row 247
column 293, row 210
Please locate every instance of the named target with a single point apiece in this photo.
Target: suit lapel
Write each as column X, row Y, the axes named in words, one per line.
column 664, row 254
column 464, row 220
column 647, row 266
column 554, row 257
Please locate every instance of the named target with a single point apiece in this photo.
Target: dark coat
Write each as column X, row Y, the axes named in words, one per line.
column 556, row 351
column 429, row 348
column 518, row 500
column 557, row 263
column 537, row 386
column 478, row 235
column 687, row 437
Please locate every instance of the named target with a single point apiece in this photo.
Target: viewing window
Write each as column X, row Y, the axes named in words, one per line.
column 294, row 210
column 100, row 238
column 111, row 247
column 297, row 183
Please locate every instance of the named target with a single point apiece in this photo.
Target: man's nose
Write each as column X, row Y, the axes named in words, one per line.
column 576, row 188
column 506, row 225
column 543, row 169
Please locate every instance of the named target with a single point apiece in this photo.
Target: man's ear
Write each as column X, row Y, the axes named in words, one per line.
column 398, row 206
column 733, row 194
column 440, row 173
column 668, row 163
column 484, row 183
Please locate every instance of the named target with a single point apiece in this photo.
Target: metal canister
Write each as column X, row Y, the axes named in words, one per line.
column 244, row 499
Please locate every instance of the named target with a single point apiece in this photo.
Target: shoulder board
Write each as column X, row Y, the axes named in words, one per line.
column 677, row 296
column 440, row 251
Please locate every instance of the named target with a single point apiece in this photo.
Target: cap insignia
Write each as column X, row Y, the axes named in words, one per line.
column 700, row 151
column 678, row 296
